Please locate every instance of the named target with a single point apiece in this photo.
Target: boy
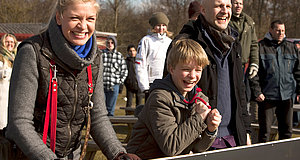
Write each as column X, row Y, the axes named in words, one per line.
column 172, row 123
column 131, row 83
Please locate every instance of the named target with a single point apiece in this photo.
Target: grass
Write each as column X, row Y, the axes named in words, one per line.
column 121, row 129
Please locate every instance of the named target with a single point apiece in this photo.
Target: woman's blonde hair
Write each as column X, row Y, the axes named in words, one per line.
column 15, row 41
column 61, row 5
column 184, row 51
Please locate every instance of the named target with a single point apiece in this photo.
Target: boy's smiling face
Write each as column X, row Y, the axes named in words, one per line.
column 186, row 75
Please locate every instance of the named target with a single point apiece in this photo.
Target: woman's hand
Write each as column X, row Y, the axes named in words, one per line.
column 213, row 120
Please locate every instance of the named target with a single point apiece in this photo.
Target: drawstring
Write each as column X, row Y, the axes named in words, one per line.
column 195, row 98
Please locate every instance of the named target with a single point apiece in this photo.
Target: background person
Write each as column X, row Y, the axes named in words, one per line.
column 9, row 44
column 151, row 54
column 171, row 122
column 131, row 83
column 114, row 73
column 194, row 10
column 69, row 43
column 8, row 48
column 245, row 26
column 279, row 81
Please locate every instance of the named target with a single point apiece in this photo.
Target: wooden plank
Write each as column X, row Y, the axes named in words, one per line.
column 128, row 108
column 128, row 119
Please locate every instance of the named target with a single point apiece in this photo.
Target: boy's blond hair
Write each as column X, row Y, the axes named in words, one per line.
column 184, row 51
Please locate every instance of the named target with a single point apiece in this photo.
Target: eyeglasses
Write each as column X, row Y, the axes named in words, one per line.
column 110, row 42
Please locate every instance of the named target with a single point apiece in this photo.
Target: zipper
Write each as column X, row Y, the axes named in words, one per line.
column 69, row 122
column 74, row 107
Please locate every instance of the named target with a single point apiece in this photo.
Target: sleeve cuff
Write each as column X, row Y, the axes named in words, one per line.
column 211, row 134
column 255, row 65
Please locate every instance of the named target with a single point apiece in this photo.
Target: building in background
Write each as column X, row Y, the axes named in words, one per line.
column 25, row 30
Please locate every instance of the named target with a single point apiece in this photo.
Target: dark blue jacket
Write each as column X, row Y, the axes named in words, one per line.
column 279, row 71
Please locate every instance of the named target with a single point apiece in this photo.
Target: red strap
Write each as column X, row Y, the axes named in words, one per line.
column 47, row 118
column 53, row 115
column 90, row 79
column 51, row 103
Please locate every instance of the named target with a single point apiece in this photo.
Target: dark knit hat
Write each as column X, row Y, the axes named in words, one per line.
column 194, row 8
column 158, row 18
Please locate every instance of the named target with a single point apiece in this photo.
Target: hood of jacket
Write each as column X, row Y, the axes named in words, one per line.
column 114, row 40
column 268, row 37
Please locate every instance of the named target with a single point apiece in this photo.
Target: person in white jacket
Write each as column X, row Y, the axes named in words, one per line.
column 152, row 49
column 8, row 47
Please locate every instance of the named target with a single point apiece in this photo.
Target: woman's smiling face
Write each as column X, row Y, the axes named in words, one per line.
column 77, row 22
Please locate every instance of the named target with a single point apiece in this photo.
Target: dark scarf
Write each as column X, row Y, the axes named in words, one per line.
column 222, row 39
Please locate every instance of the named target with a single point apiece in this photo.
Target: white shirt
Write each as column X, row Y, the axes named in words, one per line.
column 150, row 59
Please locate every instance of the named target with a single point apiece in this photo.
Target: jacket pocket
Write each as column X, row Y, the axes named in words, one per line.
column 268, row 63
column 289, row 62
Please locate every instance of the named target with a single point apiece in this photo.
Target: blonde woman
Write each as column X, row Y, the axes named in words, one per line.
column 66, row 49
column 9, row 45
column 8, row 49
